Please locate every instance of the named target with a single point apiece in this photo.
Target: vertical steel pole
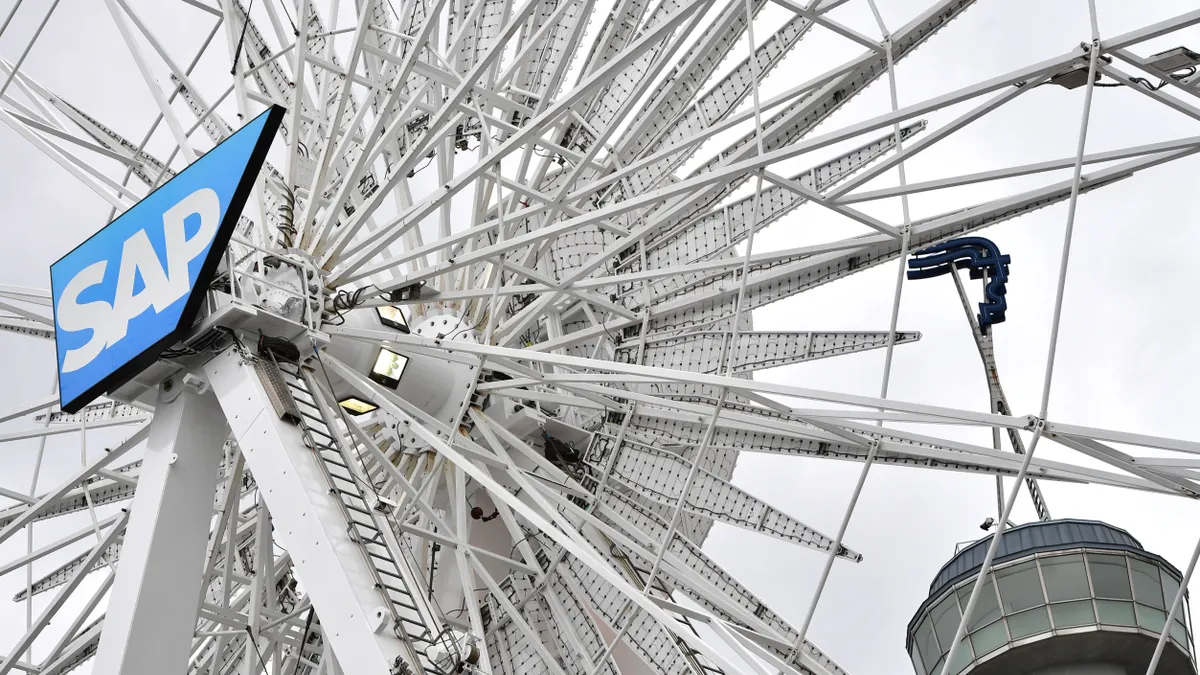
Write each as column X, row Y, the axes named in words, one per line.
column 1054, row 325
column 1176, row 605
column 891, row 346
column 152, row 614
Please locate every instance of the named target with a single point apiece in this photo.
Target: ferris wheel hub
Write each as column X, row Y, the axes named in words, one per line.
column 438, row 384
column 447, row 325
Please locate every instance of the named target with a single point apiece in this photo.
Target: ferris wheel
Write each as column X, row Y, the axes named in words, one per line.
column 464, row 368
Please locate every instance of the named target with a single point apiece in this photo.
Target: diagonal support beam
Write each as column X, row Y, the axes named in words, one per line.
column 308, row 520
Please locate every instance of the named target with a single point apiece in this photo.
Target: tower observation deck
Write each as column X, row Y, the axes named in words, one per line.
column 1063, row 597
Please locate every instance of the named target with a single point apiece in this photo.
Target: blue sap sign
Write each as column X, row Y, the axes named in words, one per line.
column 125, row 294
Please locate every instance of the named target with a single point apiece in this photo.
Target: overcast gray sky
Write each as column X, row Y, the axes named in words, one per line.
column 1126, row 360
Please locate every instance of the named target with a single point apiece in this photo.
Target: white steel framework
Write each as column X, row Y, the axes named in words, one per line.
column 521, row 300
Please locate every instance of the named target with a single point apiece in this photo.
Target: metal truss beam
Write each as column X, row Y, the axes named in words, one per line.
column 309, row 524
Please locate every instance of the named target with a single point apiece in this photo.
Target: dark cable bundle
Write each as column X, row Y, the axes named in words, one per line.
column 209, row 342
column 287, row 216
column 278, row 348
column 345, row 301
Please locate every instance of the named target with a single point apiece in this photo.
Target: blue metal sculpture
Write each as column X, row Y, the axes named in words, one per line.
column 976, row 254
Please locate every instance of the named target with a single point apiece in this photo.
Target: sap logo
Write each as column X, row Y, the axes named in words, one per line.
column 160, row 287
column 135, row 287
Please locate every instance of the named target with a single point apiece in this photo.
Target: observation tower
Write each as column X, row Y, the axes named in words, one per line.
column 1063, row 597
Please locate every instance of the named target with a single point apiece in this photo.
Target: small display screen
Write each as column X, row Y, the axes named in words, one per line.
column 389, row 367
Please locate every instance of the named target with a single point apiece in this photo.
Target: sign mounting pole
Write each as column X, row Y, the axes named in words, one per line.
column 152, row 614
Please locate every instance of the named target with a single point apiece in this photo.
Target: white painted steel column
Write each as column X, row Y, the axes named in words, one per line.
column 1177, row 606
column 969, row 610
column 308, row 521
column 152, row 614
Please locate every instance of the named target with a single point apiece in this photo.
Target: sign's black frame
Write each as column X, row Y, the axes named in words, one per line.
column 126, row 372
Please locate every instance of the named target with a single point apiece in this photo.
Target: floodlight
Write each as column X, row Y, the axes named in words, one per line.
column 1174, row 59
column 357, row 406
column 392, row 317
column 389, row 366
column 1078, row 77
column 1073, row 79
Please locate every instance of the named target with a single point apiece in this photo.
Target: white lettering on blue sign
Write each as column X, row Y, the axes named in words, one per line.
column 133, row 287
column 109, row 322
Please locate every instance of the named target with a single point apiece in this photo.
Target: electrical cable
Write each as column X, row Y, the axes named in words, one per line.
column 527, row 537
column 466, row 328
column 208, row 343
column 421, row 168
column 256, row 649
column 347, row 300
column 295, row 31
column 245, row 25
column 287, row 213
column 463, row 607
column 1177, row 75
column 303, row 640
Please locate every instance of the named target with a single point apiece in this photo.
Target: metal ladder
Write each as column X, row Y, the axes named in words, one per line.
column 369, row 528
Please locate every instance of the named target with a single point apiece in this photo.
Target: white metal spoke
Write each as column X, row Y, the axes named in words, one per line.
column 518, row 285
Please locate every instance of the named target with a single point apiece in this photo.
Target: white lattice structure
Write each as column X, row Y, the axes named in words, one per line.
column 530, row 490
